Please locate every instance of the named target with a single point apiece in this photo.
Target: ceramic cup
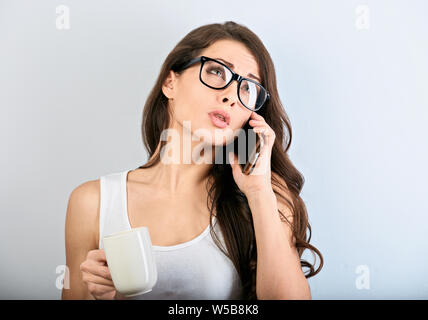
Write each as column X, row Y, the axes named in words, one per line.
column 131, row 261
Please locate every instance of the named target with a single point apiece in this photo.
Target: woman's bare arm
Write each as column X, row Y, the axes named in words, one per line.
column 81, row 232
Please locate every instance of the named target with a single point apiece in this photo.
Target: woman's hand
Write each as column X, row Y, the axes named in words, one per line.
column 96, row 275
column 259, row 180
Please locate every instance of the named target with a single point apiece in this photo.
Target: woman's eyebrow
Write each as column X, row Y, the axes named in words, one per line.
column 232, row 66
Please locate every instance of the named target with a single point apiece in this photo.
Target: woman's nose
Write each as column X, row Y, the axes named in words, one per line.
column 230, row 94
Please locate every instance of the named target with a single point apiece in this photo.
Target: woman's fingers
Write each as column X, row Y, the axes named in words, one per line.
column 95, row 268
column 256, row 122
column 256, row 116
column 90, row 277
column 101, row 291
column 97, row 255
column 96, row 275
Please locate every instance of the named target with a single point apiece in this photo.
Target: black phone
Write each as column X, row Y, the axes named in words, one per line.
column 253, row 142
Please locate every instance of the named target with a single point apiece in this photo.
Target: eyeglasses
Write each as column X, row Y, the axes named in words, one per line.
column 216, row 75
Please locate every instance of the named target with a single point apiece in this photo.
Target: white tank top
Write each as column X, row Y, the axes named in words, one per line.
column 196, row 269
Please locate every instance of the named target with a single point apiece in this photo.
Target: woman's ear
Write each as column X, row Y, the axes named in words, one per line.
column 168, row 87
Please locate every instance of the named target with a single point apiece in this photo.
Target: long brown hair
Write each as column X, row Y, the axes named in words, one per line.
column 232, row 210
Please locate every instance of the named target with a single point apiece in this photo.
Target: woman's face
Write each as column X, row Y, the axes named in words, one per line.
column 193, row 101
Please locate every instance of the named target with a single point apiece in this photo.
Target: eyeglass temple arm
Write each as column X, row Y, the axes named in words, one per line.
column 193, row 61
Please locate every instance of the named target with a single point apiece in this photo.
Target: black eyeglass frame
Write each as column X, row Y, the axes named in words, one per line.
column 235, row 76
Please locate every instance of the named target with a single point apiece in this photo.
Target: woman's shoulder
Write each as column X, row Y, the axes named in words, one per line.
column 87, row 192
column 83, row 208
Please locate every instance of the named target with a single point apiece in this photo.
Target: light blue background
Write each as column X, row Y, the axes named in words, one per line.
column 71, row 104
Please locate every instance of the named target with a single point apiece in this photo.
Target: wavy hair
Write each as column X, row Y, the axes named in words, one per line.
column 232, row 210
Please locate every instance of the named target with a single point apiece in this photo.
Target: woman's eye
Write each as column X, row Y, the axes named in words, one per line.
column 216, row 70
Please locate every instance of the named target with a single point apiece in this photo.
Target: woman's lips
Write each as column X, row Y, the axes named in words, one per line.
column 217, row 121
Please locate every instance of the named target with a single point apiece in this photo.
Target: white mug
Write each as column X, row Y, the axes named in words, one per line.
column 131, row 261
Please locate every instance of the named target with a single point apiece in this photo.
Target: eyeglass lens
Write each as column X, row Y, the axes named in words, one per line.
column 217, row 76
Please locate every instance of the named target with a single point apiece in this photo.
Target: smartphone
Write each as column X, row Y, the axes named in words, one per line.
column 252, row 148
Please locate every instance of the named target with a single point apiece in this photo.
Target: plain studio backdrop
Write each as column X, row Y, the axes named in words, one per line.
column 352, row 76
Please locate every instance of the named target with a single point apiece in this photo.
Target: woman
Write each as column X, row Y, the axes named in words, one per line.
column 261, row 221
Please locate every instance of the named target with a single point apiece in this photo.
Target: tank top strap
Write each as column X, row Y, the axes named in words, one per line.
column 111, row 206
